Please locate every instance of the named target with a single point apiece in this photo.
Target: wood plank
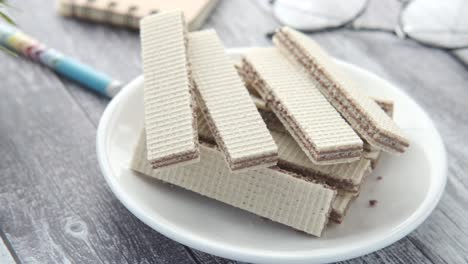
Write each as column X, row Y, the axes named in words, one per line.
column 56, row 206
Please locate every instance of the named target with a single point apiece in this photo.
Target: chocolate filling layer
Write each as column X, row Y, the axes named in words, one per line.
column 344, row 184
column 176, row 158
column 191, row 84
column 336, row 217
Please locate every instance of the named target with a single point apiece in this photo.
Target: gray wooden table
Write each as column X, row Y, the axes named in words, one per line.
column 55, row 206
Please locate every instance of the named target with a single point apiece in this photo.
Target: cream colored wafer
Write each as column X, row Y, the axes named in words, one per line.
column 346, row 176
column 128, row 13
column 236, row 125
column 320, row 131
column 386, row 105
column 341, row 205
column 371, row 153
column 360, row 111
column 274, row 124
column 267, row 192
column 170, row 119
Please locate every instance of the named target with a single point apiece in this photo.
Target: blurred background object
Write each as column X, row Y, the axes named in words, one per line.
column 316, row 14
column 438, row 23
column 127, row 13
column 20, row 43
column 433, row 23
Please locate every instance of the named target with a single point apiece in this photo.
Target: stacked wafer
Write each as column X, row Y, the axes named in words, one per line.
column 343, row 92
column 278, row 138
column 346, row 178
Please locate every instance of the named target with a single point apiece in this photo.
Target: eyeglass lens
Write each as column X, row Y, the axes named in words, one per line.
column 432, row 22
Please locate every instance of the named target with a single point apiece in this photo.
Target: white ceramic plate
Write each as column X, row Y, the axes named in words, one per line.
column 410, row 189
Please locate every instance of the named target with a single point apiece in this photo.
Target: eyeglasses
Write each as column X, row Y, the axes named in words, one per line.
column 435, row 23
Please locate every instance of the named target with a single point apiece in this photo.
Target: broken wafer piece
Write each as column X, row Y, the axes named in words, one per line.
column 373, row 155
column 170, row 120
column 318, row 128
column 268, row 192
column 364, row 115
column 386, row 105
column 235, row 123
column 370, row 152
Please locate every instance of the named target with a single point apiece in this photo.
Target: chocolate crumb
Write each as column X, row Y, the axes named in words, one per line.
column 372, row 203
column 379, row 178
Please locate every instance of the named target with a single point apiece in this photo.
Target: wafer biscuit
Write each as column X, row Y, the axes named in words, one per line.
column 373, row 155
column 273, row 123
column 386, row 105
column 347, row 176
column 346, row 96
column 320, row 131
column 341, row 205
column 268, row 192
column 235, row 123
column 369, row 152
column 170, row 119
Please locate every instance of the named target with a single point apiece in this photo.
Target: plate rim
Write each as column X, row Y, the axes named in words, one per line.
column 164, row 227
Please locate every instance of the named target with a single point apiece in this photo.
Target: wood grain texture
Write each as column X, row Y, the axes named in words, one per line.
column 55, row 203
column 56, row 206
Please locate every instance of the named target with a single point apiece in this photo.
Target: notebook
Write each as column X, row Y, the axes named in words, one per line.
column 127, row 13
